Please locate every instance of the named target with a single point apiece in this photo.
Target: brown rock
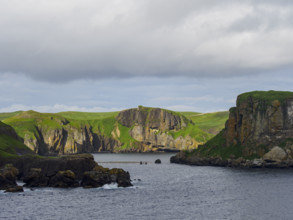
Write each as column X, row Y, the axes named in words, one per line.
column 14, row 189
column 276, row 154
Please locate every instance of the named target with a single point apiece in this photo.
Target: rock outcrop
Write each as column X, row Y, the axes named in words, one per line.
column 69, row 140
column 260, row 126
column 151, row 128
column 64, row 172
column 101, row 176
column 8, row 176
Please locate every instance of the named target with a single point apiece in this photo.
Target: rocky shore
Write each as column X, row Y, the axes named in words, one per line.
column 265, row 162
column 64, row 172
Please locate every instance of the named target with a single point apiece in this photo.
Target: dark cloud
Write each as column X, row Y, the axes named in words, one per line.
column 66, row 40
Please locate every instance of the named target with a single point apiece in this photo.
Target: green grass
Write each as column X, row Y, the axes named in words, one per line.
column 125, row 138
column 266, row 96
column 211, row 123
column 12, row 148
column 25, row 123
column 5, row 115
column 193, row 131
column 87, row 115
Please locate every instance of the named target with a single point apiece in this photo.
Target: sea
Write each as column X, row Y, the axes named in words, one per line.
column 162, row 191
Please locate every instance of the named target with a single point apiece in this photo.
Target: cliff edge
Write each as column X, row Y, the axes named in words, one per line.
column 259, row 129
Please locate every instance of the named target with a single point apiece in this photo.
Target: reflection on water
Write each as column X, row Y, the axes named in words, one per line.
column 166, row 191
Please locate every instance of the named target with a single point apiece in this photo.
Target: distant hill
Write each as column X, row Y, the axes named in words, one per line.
column 134, row 130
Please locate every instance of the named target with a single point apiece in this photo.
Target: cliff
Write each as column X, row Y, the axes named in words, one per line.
column 133, row 130
column 156, row 129
column 260, row 126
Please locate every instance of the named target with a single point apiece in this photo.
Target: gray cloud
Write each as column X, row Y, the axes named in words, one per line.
column 72, row 39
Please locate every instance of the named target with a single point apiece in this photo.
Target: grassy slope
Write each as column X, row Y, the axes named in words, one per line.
column 87, row 115
column 5, row 115
column 10, row 147
column 212, row 123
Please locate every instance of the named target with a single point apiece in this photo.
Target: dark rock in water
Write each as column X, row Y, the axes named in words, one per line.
column 14, row 189
column 64, row 179
column 101, row 176
column 78, row 164
column 94, row 179
column 121, row 177
column 8, row 176
column 158, row 161
column 36, row 178
column 140, row 162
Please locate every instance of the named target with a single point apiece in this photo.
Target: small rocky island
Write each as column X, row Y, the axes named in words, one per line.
column 17, row 161
column 258, row 133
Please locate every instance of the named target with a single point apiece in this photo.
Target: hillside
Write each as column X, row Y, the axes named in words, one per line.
column 260, row 126
column 211, row 123
column 80, row 132
column 11, row 146
column 5, row 115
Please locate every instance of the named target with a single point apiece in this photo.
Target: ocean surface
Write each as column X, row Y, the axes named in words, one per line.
column 165, row 191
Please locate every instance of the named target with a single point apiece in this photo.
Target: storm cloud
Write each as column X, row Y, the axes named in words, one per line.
column 61, row 41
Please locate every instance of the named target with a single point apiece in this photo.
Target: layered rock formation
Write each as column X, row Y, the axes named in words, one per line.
column 134, row 130
column 260, row 126
column 152, row 128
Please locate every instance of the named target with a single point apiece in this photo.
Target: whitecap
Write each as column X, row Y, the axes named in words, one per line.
column 110, row 186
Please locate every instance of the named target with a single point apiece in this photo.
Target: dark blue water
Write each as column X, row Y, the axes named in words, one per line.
column 166, row 191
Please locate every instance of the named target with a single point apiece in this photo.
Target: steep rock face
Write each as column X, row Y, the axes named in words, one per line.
column 260, row 118
column 259, row 132
column 150, row 127
column 69, row 140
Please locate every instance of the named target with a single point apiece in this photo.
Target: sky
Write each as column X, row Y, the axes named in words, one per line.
column 109, row 55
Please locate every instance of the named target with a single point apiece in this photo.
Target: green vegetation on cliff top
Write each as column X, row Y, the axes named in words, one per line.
column 87, row 115
column 5, row 115
column 267, row 96
column 211, row 123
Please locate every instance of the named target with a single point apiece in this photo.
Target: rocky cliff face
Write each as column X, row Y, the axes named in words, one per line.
column 260, row 118
column 259, row 127
column 69, row 140
column 150, row 127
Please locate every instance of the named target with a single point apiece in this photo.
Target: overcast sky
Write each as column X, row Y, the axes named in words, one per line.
column 108, row 55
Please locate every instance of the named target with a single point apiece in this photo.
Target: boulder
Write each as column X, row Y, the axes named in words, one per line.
column 257, row 163
column 158, row 161
column 276, row 154
column 8, row 176
column 64, row 179
column 121, row 177
column 36, row 178
column 101, row 176
column 94, row 179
